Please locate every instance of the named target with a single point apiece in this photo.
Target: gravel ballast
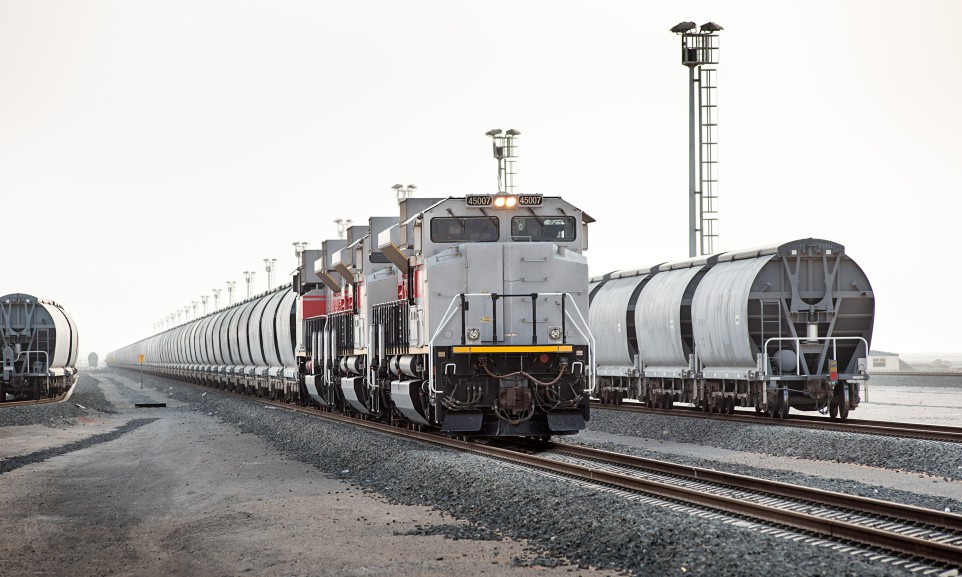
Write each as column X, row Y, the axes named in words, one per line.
column 585, row 526
column 563, row 521
column 86, row 398
column 928, row 457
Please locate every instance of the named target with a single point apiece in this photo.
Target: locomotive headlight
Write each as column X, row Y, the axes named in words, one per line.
column 554, row 333
column 499, row 201
column 511, row 201
column 474, row 334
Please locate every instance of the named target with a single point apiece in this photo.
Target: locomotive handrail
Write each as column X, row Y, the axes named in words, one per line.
column 448, row 315
column 591, row 349
column 798, row 349
column 459, row 299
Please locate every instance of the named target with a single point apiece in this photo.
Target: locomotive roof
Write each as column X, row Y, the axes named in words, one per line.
column 584, row 215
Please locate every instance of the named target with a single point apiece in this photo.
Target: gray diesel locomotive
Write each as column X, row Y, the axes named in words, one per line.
column 466, row 314
column 38, row 349
column 774, row 328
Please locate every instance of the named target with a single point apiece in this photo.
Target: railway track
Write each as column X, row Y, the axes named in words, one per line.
column 892, row 429
column 57, row 399
column 923, row 535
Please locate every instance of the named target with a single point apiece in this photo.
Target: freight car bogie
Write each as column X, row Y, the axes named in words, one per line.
column 777, row 398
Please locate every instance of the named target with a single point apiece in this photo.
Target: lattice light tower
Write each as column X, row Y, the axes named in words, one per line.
column 403, row 193
column 699, row 52
column 249, row 278
column 270, row 264
column 342, row 226
column 505, row 151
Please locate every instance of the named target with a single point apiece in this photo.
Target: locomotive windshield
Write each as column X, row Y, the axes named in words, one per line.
column 465, row 229
column 543, row 229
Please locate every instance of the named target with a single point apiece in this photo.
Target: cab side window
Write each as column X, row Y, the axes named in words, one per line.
column 465, row 229
column 543, row 229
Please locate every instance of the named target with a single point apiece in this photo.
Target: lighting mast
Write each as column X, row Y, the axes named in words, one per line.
column 699, row 48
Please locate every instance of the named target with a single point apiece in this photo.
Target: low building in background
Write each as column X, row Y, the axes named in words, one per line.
column 882, row 362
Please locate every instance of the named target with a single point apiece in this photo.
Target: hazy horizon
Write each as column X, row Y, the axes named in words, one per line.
column 152, row 151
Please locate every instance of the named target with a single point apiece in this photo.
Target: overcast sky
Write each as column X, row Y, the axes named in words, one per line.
column 152, row 151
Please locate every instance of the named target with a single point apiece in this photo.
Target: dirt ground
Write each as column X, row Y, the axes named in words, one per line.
column 185, row 494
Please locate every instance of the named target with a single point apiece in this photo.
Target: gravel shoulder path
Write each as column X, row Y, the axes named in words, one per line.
column 181, row 491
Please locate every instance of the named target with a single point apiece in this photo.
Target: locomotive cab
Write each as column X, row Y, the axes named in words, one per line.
column 501, row 302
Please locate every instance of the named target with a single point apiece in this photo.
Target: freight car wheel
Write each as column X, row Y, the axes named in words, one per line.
column 832, row 410
column 783, row 410
column 843, row 412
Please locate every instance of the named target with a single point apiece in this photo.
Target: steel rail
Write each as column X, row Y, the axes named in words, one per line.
column 866, row 505
column 868, row 536
column 885, row 428
column 874, row 537
column 58, row 399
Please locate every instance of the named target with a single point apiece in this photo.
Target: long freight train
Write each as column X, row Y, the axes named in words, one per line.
column 38, row 349
column 774, row 328
column 464, row 314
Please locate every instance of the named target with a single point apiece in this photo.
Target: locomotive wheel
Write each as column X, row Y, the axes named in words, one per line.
column 730, row 405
